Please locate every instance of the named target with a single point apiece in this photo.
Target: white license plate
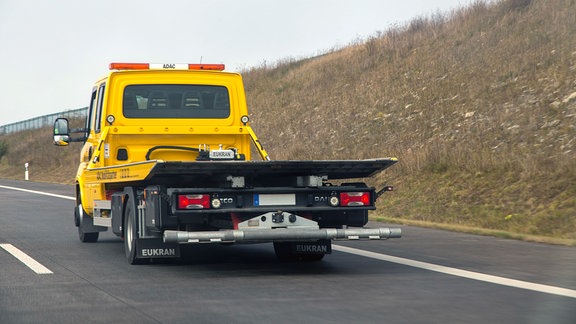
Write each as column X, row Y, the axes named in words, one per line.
column 222, row 155
column 274, row 200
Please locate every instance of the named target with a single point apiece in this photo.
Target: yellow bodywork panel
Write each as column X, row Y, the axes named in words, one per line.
column 139, row 117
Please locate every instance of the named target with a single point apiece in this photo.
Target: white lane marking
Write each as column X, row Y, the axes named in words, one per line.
column 412, row 263
column 39, row 192
column 26, row 259
column 18, row 254
column 461, row 273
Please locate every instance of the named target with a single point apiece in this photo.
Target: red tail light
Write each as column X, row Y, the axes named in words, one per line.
column 193, row 201
column 349, row 199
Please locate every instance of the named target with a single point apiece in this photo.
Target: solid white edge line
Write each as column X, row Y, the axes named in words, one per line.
column 39, row 192
column 26, row 259
column 461, row 273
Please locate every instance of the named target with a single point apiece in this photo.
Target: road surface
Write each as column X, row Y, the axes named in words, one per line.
column 429, row 276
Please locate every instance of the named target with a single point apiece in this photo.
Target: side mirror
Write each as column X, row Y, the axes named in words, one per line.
column 61, row 132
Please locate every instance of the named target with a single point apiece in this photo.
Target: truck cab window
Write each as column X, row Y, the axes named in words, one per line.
column 176, row 101
column 98, row 115
column 90, row 116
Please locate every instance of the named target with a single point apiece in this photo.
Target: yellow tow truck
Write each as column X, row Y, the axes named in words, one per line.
column 166, row 161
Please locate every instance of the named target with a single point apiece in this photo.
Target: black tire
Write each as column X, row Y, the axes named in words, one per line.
column 284, row 252
column 131, row 233
column 85, row 237
column 77, row 216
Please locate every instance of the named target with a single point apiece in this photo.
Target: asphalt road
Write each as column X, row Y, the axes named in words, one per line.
column 428, row 276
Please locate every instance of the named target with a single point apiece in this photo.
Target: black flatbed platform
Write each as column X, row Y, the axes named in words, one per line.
column 333, row 169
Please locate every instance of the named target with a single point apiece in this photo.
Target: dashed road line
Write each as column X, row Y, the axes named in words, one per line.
column 26, row 259
column 461, row 273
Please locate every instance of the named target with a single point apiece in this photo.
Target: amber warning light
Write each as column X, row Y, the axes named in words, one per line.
column 165, row 66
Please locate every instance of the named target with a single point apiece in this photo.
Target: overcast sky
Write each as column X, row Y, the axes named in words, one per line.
column 52, row 51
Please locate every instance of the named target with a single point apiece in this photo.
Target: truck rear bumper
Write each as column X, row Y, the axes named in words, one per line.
column 279, row 227
column 280, row 234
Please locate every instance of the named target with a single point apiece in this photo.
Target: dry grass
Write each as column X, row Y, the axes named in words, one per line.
column 47, row 162
column 479, row 105
column 475, row 104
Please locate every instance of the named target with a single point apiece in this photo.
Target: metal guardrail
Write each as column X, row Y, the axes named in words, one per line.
column 42, row 121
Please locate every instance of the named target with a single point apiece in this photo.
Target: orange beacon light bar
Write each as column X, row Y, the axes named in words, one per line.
column 166, row 66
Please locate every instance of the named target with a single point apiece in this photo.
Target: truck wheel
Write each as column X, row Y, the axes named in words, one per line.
column 86, row 237
column 77, row 216
column 131, row 233
column 284, row 252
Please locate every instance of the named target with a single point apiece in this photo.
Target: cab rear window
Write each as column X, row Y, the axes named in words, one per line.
column 175, row 101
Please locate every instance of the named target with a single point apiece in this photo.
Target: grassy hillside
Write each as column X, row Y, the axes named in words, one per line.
column 479, row 105
column 47, row 162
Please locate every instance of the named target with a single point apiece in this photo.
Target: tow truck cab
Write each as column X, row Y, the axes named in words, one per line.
column 142, row 112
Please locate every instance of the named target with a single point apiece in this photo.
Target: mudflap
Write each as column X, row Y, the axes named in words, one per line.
column 302, row 251
column 307, row 248
column 155, row 248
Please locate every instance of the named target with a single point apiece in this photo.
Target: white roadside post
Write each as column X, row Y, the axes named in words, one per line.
column 26, row 172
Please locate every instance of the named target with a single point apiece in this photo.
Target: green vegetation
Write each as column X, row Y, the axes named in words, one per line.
column 3, row 149
column 478, row 104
